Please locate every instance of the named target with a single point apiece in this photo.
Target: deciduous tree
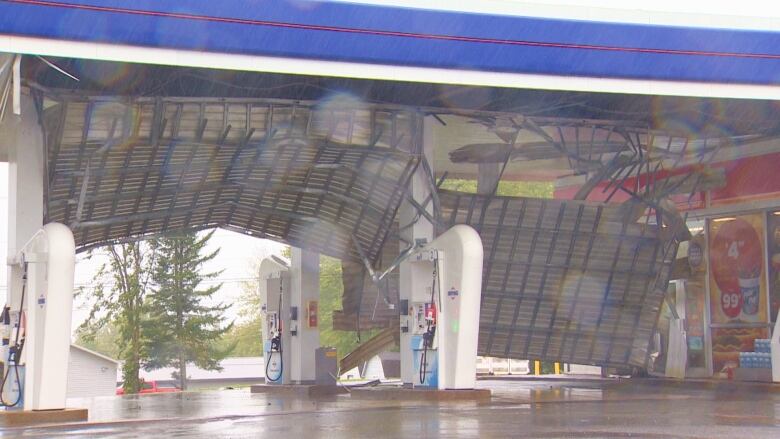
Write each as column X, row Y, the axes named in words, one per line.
column 117, row 299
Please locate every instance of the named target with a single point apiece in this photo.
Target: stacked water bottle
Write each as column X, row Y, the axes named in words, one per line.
column 761, row 358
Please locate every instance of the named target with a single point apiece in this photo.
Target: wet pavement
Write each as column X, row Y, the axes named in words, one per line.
column 519, row 408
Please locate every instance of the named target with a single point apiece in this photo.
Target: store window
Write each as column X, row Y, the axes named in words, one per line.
column 738, row 290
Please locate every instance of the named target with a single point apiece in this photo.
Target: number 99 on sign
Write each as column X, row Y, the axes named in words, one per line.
column 731, row 303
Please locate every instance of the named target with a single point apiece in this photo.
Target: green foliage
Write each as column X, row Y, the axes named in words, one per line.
column 548, row 368
column 118, row 300
column 246, row 335
column 460, row 185
column 249, row 301
column 104, row 340
column 182, row 327
column 331, row 291
column 244, row 339
column 535, row 189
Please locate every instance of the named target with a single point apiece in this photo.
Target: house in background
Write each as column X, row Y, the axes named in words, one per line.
column 238, row 371
column 90, row 374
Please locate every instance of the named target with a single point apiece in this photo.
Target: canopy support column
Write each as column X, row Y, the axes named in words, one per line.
column 411, row 278
column 304, row 324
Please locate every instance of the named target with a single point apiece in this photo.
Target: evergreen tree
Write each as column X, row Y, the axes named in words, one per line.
column 118, row 301
column 183, row 327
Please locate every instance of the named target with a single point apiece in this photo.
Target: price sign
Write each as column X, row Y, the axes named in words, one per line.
column 731, row 303
column 736, row 261
column 312, row 309
column 736, row 252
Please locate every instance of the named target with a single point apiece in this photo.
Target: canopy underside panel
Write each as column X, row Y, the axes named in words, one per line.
column 573, row 281
column 564, row 280
column 310, row 178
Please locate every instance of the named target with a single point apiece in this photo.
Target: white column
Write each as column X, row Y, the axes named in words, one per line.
column 21, row 136
column 677, row 346
column 305, row 280
column 411, row 279
column 51, row 258
column 488, row 175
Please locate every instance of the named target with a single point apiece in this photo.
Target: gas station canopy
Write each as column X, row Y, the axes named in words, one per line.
column 491, row 47
column 136, row 148
column 580, row 281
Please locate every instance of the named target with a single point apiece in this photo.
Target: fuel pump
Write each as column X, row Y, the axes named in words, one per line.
column 36, row 333
column 274, row 364
column 429, row 316
column 11, row 386
column 443, row 321
column 274, row 299
column 425, row 319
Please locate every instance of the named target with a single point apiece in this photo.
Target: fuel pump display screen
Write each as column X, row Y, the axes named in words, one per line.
column 430, row 312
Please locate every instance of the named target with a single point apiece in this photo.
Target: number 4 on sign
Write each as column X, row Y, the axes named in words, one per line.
column 734, row 249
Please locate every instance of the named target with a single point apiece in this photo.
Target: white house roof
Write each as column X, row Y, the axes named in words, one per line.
column 93, row 353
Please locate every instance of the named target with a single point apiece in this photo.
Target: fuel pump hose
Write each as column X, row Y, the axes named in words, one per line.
column 277, row 340
column 430, row 330
column 15, row 352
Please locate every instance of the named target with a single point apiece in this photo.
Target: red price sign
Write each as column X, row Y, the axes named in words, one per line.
column 731, row 303
column 736, row 252
column 312, row 311
column 736, row 258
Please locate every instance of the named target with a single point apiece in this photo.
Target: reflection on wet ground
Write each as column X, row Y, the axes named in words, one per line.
column 520, row 408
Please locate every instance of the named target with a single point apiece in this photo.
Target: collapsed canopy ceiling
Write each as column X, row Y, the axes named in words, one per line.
column 565, row 280
column 314, row 178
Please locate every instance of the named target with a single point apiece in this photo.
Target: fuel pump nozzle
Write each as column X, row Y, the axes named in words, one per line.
column 276, row 342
